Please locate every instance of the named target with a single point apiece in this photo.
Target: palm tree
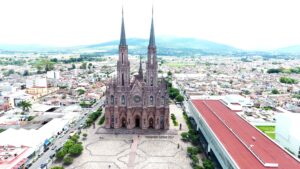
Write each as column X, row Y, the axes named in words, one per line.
column 26, row 105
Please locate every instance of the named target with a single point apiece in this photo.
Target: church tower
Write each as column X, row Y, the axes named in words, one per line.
column 123, row 65
column 151, row 65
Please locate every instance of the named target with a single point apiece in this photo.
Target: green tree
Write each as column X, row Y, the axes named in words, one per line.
column 83, row 66
column 80, row 91
column 169, row 73
column 75, row 150
column 61, row 154
column 26, row 73
column 73, row 66
column 288, row 80
column 179, row 98
column 68, row 160
column 26, row 105
column 275, row 91
column 68, row 144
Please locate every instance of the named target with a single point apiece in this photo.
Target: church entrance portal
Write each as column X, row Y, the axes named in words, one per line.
column 151, row 125
column 137, row 122
column 123, row 123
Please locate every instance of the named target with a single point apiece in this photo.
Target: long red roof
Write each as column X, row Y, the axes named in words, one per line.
column 248, row 147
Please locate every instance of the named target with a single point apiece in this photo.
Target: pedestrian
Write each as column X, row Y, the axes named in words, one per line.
column 178, row 146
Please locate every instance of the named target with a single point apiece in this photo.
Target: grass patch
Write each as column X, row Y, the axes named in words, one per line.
column 268, row 130
column 180, row 64
column 1, row 130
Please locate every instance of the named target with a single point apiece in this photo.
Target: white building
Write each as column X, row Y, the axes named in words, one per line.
column 287, row 131
column 53, row 74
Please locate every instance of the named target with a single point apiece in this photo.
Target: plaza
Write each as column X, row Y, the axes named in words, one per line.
column 137, row 148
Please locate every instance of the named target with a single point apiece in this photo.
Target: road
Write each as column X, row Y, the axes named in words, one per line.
column 58, row 142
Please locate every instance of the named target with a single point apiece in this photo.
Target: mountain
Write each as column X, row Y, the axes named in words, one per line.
column 171, row 46
column 166, row 46
column 289, row 50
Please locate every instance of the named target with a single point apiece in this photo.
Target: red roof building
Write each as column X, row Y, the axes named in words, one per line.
column 235, row 142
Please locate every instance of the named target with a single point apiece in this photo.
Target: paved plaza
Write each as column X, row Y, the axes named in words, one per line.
column 134, row 149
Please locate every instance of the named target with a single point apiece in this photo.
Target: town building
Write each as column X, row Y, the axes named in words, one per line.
column 232, row 142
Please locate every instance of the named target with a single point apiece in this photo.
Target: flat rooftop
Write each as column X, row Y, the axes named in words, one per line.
column 247, row 146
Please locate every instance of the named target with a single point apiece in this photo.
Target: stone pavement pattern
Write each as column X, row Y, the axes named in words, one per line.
column 154, row 150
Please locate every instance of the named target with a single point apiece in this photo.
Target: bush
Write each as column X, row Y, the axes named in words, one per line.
column 57, row 167
column 193, row 150
column 30, row 118
column 195, row 159
column 184, row 136
column 75, row 138
column 207, row 164
column 173, row 117
column 68, row 160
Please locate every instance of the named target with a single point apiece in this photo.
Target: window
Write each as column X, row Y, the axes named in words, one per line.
column 151, row 100
column 163, row 99
column 151, row 81
column 151, row 58
column 122, row 79
column 122, row 58
column 123, row 100
column 112, row 99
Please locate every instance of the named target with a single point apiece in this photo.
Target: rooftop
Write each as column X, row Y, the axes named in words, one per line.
column 247, row 146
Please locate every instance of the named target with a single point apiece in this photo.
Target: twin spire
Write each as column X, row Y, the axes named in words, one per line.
column 123, row 36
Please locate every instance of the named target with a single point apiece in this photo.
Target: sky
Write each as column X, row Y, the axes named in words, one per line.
column 245, row 24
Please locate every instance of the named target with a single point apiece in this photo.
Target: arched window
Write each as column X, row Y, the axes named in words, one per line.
column 122, row 58
column 151, row 100
column 112, row 99
column 151, row 81
column 163, row 99
column 122, row 79
column 123, row 99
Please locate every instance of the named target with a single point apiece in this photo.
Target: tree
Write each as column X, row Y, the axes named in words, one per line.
column 83, row 66
column 57, row 167
column 75, row 150
column 26, row 105
column 169, row 73
column 68, row 160
column 61, row 154
column 73, row 66
column 84, row 135
column 26, row 73
column 80, row 91
column 68, row 144
column 288, row 80
column 275, row 91
column 179, row 98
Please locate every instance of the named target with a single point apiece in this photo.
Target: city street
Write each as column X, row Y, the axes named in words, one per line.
column 58, row 142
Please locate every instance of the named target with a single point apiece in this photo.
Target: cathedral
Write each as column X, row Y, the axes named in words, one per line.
column 141, row 101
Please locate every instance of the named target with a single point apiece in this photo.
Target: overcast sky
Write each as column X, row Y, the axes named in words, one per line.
column 246, row 24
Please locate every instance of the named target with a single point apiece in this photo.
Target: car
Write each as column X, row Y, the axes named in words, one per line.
column 52, row 156
column 53, row 147
column 44, row 165
column 46, row 149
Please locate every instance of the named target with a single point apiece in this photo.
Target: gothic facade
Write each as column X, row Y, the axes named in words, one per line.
column 141, row 101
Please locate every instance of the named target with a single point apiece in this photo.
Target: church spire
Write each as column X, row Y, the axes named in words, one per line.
column 141, row 68
column 152, row 36
column 123, row 37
